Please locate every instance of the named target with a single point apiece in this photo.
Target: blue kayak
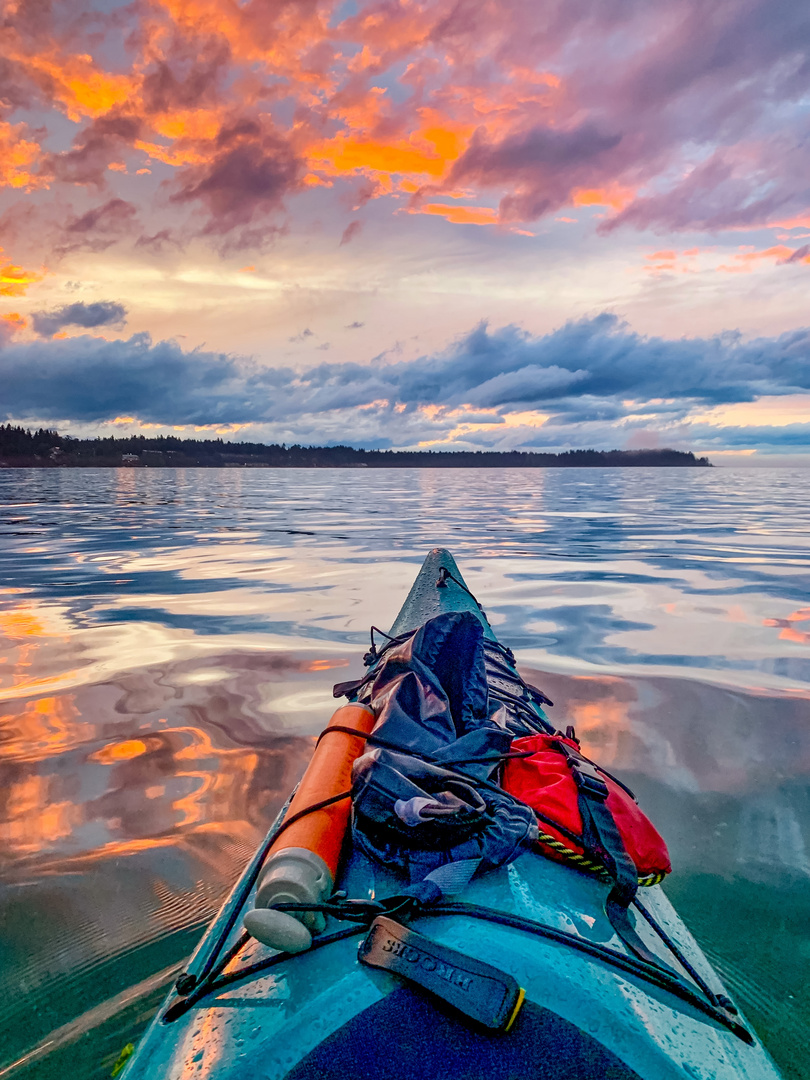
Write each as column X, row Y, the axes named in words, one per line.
column 519, row 974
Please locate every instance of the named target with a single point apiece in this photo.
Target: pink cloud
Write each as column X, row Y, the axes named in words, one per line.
column 528, row 106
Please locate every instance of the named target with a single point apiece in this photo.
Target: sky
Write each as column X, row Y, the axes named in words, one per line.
column 546, row 224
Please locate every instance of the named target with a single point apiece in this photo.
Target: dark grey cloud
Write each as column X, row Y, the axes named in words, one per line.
column 302, row 336
column 91, row 379
column 189, row 76
column 591, row 377
column 159, row 241
column 354, row 228
column 99, row 228
column 544, row 164
column 250, row 169
column 100, row 313
column 86, row 162
column 527, row 384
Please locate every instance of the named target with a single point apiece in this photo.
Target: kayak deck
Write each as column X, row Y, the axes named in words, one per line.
column 323, row 1014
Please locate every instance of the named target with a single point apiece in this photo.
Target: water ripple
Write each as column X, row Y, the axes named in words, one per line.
column 168, row 641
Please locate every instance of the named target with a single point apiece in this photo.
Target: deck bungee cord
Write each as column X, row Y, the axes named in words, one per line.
column 405, row 905
column 409, row 905
column 597, row 820
column 649, row 973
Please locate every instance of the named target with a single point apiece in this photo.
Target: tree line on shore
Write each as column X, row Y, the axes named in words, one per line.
column 46, row 448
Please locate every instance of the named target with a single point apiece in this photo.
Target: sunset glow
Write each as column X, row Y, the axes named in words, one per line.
column 392, row 174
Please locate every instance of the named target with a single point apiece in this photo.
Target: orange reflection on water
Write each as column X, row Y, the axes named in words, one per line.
column 324, row 665
column 216, row 788
column 788, row 633
column 192, row 806
column 151, row 791
column 44, row 727
column 31, row 822
column 34, row 639
column 598, row 707
column 21, row 622
column 119, row 751
column 116, row 849
column 145, row 760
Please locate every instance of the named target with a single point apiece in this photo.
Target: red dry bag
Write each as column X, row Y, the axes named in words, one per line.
column 577, row 806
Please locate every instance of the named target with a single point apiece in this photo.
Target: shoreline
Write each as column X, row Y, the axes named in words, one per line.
column 22, row 448
column 24, row 464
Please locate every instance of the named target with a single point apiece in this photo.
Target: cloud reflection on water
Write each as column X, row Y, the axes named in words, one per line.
column 169, row 641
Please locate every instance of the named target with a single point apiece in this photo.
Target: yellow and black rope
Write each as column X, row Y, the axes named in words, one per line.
column 591, row 866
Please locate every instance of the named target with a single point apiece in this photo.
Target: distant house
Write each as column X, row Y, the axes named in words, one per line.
column 130, row 459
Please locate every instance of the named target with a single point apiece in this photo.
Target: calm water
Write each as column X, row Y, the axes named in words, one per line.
column 168, row 642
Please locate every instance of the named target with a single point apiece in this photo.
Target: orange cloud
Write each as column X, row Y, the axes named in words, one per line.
column 352, row 128
column 448, row 142
column 405, row 164
column 14, row 320
column 18, row 157
column 529, row 75
column 313, row 180
column 345, row 155
column 801, row 221
column 779, row 253
column 14, row 281
column 671, row 262
column 460, row 215
column 75, row 82
column 397, row 29
column 183, row 155
column 665, row 262
column 614, row 197
column 189, row 124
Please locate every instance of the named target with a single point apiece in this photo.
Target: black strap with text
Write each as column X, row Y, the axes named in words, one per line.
column 478, row 990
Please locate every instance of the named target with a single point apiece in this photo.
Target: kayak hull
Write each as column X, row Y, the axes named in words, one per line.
column 310, row 1013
